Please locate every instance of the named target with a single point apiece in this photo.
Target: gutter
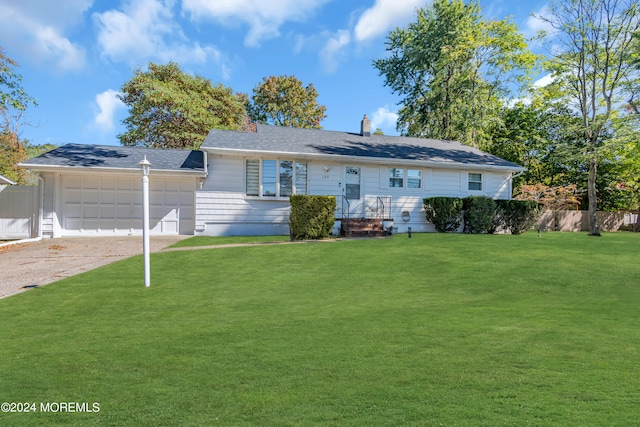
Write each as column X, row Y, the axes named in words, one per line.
column 364, row 159
column 80, row 169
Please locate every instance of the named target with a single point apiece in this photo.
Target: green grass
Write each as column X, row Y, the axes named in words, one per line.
column 453, row 330
column 210, row 241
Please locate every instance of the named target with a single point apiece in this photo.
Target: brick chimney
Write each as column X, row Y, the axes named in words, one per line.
column 365, row 126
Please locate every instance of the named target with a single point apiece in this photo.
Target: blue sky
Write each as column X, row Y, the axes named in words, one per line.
column 75, row 55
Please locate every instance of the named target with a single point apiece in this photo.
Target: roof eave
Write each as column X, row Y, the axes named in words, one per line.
column 58, row 168
column 365, row 159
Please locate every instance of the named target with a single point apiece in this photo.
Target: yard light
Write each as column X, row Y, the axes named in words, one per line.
column 145, row 165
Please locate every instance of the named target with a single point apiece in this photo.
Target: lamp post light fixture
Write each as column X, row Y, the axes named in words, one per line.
column 145, row 165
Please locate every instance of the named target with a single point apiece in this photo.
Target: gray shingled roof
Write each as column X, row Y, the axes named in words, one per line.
column 278, row 139
column 118, row 157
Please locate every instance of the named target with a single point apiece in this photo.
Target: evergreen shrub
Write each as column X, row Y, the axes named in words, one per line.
column 312, row 217
column 479, row 214
column 517, row 216
column 445, row 213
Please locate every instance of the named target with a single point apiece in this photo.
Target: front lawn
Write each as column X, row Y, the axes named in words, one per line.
column 437, row 329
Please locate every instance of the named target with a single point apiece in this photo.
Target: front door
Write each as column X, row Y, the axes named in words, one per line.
column 353, row 191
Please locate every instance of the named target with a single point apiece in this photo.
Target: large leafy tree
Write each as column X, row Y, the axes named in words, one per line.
column 12, row 152
column 285, row 101
column 542, row 137
column 454, row 70
column 14, row 100
column 12, row 94
column 592, row 62
column 171, row 109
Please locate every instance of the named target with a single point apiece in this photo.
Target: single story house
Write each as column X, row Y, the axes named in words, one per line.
column 239, row 182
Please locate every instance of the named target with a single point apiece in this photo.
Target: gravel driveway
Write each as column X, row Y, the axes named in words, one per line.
column 29, row 265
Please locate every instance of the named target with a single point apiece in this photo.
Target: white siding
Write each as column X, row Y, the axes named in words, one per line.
column 325, row 179
column 221, row 213
column 446, row 182
column 499, row 186
column 225, row 174
column 223, row 209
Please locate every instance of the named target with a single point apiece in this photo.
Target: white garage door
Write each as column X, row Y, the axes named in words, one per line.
column 112, row 205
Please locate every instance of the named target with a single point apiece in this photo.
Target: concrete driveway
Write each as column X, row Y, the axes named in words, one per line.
column 29, row 265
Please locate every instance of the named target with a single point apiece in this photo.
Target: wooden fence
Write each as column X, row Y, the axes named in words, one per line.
column 19, row 212
column 579, row 221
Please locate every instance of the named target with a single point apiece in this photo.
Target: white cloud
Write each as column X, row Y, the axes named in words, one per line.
column 332, row 51
column 384, row 119
column 37, row 31
column 543, row 81
column 146, row 30
column 108, row 104
column 384, row 15
column 263, row 17
column 535, row 24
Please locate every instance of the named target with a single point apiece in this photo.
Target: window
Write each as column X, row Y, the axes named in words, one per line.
column 396, row 179
column 253, row 177
column 275, row 178
column 475, row 182
column 269, row 178
column 414, row 178
column 352, row 186
column 301, row 178
column 286, row 178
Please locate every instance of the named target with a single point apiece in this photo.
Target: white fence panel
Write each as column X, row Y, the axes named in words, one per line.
column 19, row 207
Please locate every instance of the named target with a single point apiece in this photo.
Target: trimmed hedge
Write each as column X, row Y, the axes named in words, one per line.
column 312, row 217
column 445, row 213
column 517, row 216
column 479, row 214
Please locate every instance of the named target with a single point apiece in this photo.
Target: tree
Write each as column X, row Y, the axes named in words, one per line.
column 13, row 102
column 12, row 152
column 284, row 101
column 592, row 63
column 12, row 94
column 171, row 109
column 454, row 70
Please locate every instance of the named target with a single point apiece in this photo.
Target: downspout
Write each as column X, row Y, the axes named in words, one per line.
column 196, row 228
column 41, row 207
column 517, row 174
column 206, row 167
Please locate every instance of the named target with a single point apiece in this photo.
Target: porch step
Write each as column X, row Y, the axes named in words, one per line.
column 363, row 227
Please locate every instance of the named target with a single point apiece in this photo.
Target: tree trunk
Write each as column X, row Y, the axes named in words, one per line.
column 593, row 198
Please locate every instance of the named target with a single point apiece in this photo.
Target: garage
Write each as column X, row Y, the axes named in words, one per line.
column 112, row 205
column 92, row 190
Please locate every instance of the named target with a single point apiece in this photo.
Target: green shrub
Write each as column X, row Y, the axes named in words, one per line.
column 518, row 216
column 312, row 217
column 445, row 213
column 479, row 214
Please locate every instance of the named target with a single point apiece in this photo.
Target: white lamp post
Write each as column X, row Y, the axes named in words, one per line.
column 145, row 165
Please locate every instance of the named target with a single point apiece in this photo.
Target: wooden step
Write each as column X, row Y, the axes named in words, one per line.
column 363, row 227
